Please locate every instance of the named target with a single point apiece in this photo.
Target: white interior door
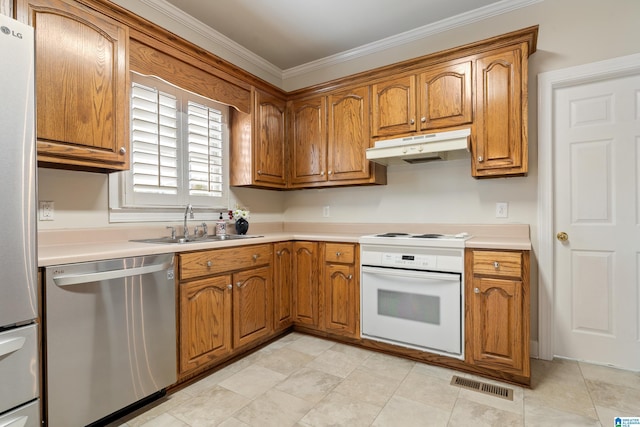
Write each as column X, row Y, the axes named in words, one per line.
column 597, row 204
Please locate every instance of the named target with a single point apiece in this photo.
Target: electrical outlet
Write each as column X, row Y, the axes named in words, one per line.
column 325, row 212
column 502, row 210
column 45, row 210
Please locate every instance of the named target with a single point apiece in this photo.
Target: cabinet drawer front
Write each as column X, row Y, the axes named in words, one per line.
column 497, row 263
column 339, row 252
column 216, row 261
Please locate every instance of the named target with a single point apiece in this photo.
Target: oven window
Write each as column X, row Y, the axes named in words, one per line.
column 420, row 308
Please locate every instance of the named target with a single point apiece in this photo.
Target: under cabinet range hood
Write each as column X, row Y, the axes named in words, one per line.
column 420, row 148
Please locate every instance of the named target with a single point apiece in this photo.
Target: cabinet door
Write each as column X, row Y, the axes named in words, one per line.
column 348, row 125
column 282, row 285
column 252, row 305
column 308, row 141
column 394, row 106
column 341, row 299
column 82, row 86
column 269, row 140
column 305, row 283
column 500, row 145
column 205, row 321
column 497, row 323
column 446, row 96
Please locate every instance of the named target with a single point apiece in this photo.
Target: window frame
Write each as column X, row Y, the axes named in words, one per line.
column 122, row 204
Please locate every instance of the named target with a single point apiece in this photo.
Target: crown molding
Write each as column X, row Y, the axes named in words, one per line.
column 178, row 16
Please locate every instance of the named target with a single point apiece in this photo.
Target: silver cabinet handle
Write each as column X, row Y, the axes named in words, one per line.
column 496, row 264
column 209, row 263
column 123, row 150
column 322, row 173
column 412, row 121
column 480, row 158
column 423, row 120
column 75, row 279
column 255, row 257
column 476, row 290
column 338, row 253
column 350, row 276
column 229, row 286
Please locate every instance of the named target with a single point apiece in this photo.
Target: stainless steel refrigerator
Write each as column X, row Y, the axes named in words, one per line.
column 19, row 336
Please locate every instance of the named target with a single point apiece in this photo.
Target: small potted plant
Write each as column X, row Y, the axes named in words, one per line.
column 241, row 215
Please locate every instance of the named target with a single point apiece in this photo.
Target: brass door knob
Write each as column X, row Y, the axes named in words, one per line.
column 562, row 236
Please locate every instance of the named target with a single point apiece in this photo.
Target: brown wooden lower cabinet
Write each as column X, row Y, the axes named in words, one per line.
column 497, row 314
column 226, row 304
column 232, row 300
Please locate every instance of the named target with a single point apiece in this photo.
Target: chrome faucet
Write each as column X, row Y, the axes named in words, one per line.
column 188, row 210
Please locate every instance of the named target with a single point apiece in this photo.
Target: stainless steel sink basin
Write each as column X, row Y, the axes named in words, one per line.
column 182, row 240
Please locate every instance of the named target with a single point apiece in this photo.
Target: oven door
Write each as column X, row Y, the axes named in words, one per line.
column 416, row 309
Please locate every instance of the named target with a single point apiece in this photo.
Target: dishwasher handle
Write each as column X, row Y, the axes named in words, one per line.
column 76, row 279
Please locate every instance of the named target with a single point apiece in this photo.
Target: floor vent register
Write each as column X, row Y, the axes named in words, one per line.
column 490, row 389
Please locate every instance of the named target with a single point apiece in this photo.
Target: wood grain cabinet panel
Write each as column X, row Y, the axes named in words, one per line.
column 341, row 290
column 205, row 321
column 445, row 96
column 500, row 145
column 82, row 86
column 306, row 284
column 308, row 138
column 252, row 305
column 258, row 151
column 283, row 285
column 393, row 108
column 497, row 311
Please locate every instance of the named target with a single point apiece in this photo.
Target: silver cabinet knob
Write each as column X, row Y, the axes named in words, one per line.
column 338, row 253
column 423, row 120
column 412, row 121
column 278, row 253
column 259, row 172
column 476, row 290
column 329, row 173
column 239, row 284
column 123, row 150
column 255, row 257
column 480, row 158
column 322, row 173
column 496, row 264
column 209, row 263
column 229, row 286
column 350, row 276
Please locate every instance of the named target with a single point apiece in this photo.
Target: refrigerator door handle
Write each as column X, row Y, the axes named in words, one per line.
column 11, row 345
column 76, row 279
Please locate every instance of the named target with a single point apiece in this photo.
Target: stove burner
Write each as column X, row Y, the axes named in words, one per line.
column 392, row 234
column 427, row 236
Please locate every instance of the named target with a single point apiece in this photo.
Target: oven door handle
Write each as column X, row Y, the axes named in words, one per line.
column 394, row 272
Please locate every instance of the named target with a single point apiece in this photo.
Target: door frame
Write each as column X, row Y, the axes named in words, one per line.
column 548, row 83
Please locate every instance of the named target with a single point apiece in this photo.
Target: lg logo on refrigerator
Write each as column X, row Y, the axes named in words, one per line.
column 9, row 32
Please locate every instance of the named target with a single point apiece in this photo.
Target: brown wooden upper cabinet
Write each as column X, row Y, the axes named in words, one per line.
column 438, row 97
column 258, row 143
column 500, row 144
column 329, row 136
column 82, row 86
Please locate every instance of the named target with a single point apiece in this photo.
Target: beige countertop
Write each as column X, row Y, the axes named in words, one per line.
column 81, row 245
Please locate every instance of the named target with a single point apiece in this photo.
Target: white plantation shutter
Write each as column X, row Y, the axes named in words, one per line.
column 154, row 141
column 178, row 154
column 205, row 150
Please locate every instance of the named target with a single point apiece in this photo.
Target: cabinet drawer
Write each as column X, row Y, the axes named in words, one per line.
column 496, row 263
column 204, row 263
column 339, row 252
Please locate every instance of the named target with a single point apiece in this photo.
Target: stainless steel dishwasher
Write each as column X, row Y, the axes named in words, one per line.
column 110, row 333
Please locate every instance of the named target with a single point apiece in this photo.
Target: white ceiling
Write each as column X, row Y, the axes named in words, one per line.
column 291, row 33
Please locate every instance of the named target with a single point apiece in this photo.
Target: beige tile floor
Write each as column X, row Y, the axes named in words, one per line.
column 301, row 380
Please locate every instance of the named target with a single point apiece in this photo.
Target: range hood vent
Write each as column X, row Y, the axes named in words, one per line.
column 419, row 149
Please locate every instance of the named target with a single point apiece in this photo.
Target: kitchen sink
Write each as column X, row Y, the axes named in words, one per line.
column 182, row 240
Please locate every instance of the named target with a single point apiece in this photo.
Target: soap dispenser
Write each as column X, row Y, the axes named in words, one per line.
column 221, row 226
